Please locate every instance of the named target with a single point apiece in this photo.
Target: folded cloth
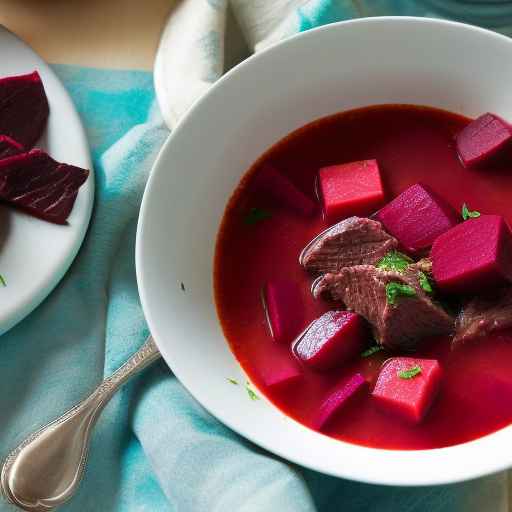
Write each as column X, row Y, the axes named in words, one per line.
column 155, row 448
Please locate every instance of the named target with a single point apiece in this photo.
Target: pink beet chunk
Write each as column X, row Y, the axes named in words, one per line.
column 331, row 340
column 284, row 309
column 274, row 184
column 23, row 108
column 342, row 394
column 473, row 256
column 417, row 217
column 411, row 398
column 9, row 147
column 280, row 371
column 350, row 189
column 483, row 139
column 36, row 183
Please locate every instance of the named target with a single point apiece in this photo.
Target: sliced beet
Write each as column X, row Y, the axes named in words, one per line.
column 284, row 309
column 483, row 139
column 23, row 108
column 332, row 340
column 417, row 217
column 405, row 391
column 271, row 182
column 280, row 371
column 36, row 183
column 350, row 189
column 337, row 399
column 474, row 256
column 9, row 147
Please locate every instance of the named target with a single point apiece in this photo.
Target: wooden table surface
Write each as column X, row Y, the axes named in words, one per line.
column 97, row 33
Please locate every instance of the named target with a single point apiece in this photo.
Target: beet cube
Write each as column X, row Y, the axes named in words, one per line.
column 9, row 147
column 483, row 139
column 417, row 217
column 473, row 256
column 332, row 340
column 284, row 309
column 407, row 398
column 280, row 371
column 337, row 399
column 272, row 183
column 350, row 189
column 23, row 108
column 36, row 183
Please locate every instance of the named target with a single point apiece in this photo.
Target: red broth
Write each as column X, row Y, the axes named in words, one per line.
column 411, row 144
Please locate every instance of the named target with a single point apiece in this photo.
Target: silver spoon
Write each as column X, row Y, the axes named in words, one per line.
column 45, row 470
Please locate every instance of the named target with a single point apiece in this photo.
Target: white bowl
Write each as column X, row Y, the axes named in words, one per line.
column 337, row 67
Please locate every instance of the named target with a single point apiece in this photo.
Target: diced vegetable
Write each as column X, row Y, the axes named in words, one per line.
column 473, row 256
column 350, row 189
column 337, row 399
column 406, row 387
column 9, row 147
column 417, row 217
column 332, row 340
column 280, row 371
column 36, row 183
column 284, row 309
column 23, row 108
column 482, row 139
column 284, row 193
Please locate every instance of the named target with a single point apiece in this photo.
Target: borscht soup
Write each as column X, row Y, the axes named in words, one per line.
column 363, row 276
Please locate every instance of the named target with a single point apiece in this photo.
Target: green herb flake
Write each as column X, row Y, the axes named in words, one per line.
column 394, row 260
column 425, row 282
column 372, row 350
column 394, row 290
column 410, row 373
column 250, row 391
column 256, row 215
column 2, row 280
column 468, row 214
column 232, row 381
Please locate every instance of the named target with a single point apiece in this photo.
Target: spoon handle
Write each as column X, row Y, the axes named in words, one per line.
column 45, row 470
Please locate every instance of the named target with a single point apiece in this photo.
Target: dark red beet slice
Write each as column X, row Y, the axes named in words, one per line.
column 280, row 371
column 332, row 340
column 473, row 256
column 337, row 399
column 350, row 189
column 417, row 217
column 272, row 183
column 39, row 185
column 483, row 139
column 23, row 108
column 408, row 398
column 284, row 309
column 9, row 147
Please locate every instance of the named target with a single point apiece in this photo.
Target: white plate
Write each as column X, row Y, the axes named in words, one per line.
column 34, row 254
column 330, row 69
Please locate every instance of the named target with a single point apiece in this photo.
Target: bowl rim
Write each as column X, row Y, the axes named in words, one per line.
column 466, row 474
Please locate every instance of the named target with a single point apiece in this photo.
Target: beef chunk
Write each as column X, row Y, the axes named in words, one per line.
column 400, row 319
column 484, row 315
column 353, row 241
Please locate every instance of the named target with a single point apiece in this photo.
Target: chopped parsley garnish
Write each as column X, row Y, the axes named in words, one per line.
column 233, row 381
column 410, row 373
column 425, row 282
column 394, row 290
column 256, row 215
column 2, row 280
column 372, row 350
column 394, row 260
column 182, row 286
column 250, row 391
column 468, row 214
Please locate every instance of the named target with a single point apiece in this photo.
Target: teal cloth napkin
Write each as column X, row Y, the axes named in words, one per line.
column 155, row 448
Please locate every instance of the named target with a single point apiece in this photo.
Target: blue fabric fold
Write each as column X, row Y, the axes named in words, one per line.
column 155, row 448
